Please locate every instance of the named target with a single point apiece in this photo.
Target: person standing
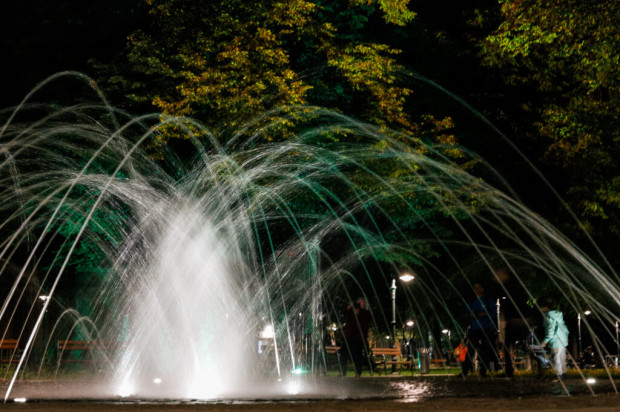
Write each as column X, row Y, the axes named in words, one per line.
column 482, row 332
column 556, row 336
column 518, row 322
column 355, row 348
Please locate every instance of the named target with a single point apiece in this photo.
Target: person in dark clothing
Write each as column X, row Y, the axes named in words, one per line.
column 482, row 332
column 357, row 323
column 518, row 321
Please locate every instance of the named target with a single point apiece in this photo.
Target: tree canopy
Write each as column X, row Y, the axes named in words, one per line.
column 225, row 63
column 569, row 52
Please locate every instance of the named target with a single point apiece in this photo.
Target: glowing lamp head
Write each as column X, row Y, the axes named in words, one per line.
column 406, row 277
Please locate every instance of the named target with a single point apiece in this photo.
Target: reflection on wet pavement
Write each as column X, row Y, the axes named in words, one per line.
column 409, row 389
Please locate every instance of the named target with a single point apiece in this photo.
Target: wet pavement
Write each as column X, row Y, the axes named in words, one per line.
column 401, row 389
column 579, row 403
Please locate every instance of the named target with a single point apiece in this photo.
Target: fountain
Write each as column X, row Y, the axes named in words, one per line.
column 175, row 263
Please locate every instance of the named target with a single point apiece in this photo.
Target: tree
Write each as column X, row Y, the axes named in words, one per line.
column 569, row 51
column 229, row 62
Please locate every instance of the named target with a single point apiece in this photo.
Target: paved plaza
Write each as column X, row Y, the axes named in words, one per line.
column 403, row 393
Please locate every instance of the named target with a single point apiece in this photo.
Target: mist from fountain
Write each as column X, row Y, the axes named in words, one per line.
column 196, row 257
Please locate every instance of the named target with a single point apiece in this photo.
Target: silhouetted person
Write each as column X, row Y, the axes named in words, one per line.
column 357, row 323
column 482, row 332
column 517, row 316
column 588, row 359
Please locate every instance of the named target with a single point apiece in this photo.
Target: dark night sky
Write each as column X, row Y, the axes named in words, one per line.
column 40, row 38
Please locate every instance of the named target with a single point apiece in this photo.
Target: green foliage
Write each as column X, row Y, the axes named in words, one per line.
column 369, row 67
column 222, row 64
column 394, row 11
column 569, row 51
column 229, row 62
column 103, row 232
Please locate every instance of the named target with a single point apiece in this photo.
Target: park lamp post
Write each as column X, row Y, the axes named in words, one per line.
column 587, row 312
column 617, row 343
column 447, row 332
column 408, row 325
column 406, row 278
column 45, row 302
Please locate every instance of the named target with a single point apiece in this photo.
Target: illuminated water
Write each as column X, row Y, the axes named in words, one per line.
column 183, row 264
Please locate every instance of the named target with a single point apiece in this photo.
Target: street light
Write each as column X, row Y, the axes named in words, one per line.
column 617, row 344
column 45, row 300
column 405, row 277
column 579, row 331
column 409, row 324
column 587, row 312
column 447, row 332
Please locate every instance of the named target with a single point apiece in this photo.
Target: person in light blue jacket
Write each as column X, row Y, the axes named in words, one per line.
column 556, row 336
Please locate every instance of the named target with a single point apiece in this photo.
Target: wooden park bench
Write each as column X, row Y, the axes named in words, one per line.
column 90, row 346
column 332, row 350
column 439, row 363
column 8, row 348
column 385, row 357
